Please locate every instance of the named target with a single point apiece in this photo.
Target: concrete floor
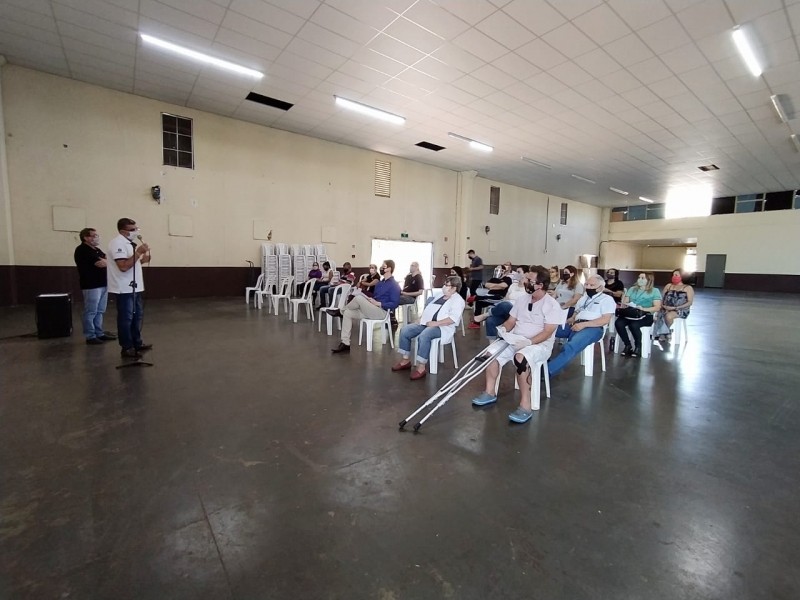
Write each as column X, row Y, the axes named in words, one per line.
column 249, row 463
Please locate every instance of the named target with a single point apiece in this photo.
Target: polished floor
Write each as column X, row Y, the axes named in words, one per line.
column 249, row 463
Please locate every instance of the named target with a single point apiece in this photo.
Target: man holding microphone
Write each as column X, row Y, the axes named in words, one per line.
column 125, row 279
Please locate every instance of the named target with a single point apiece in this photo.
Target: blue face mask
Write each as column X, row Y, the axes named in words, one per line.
column 642, row 282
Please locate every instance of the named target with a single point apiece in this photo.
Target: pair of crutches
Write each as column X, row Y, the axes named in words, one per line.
column 462, row 377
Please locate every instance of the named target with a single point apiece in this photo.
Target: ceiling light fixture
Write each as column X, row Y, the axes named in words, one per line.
column 200, row 57
column 369, row 110
column 749, row 57
column 795, row 141
column 778, row 104
column 643, row 199
column 472, row 143
column 618, row 191
column 535, row 162
column 582, row 178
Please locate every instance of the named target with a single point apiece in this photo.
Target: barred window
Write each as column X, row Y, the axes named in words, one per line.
column 177, row 143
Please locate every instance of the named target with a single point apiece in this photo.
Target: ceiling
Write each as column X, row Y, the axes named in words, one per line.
column 634, row 94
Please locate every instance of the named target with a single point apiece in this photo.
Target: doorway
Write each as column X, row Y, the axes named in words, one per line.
column 403, row 254
column 715, row 271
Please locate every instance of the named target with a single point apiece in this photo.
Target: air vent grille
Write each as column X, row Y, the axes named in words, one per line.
column 383, row 178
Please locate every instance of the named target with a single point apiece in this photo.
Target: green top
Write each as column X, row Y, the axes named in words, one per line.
column 643, row 298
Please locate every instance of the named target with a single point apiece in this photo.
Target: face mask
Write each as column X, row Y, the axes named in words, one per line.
column 498, row 272
column 94, row 241
column 641, row 281
column 590, row 293
column 611, row 277
column 677, row 280
column 382, row 271
column 530, row 287
column 516, row 277
column 131, row 235
column 565, row 276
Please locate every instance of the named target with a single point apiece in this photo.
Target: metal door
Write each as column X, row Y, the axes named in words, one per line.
column 715, row 271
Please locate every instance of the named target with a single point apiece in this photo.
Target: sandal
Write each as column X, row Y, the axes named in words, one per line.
column 520, row 415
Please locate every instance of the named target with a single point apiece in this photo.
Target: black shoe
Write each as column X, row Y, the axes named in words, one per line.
column 334, row 312
column 342, row 348
column 635, row 353
column 144, row 348
column 109, row 335
column 94, row 341
column 628, row 351
column 130, row 353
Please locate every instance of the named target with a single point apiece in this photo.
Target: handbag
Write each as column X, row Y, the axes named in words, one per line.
column 630, row 312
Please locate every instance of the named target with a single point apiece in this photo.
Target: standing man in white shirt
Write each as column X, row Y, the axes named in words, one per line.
column 125, row 279
column 593, row 312
column 534, row 320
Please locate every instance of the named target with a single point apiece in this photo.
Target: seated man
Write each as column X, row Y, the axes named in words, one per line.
column 496, row 289
column 412, row 286
column 438, row 320
column 534, row 319
column 385, row 298
column 347, row 276
column 592, row 313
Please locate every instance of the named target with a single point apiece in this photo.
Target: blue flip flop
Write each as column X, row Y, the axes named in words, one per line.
column 484, row 399
column 520, row 415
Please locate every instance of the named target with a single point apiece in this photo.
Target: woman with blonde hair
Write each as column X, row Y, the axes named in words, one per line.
column 639, row 304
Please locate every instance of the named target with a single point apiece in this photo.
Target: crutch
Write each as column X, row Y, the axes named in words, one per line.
column 464, row 375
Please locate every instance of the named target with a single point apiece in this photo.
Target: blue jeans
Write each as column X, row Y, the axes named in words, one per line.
column 497, row 316
column 578, row 340
column 323, row 295
column 129, row 322
column 424, row 336
column 94, row 306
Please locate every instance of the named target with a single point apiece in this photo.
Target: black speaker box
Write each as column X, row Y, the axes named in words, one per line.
column 53, row 315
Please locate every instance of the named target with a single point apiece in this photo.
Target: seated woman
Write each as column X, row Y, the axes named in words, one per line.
column 569, row 290
column 554, row 279
column 677, row 299
column 438, row 320
column 495, row 290
column 647, row 300
column 614, row 287
column 459, row 272
column 499, row 312
column 368, row 282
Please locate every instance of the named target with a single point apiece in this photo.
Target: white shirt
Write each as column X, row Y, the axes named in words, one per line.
column 119, row 282
column 530, row 323
column 452, row 308
column 515, row 290
column 588, row 309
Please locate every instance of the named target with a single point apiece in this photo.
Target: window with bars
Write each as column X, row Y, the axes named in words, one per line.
column 563, row 213
column 177, row 142
column 494, row 200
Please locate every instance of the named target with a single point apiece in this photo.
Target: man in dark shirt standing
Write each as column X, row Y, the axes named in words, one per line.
column 475, row 274
column 413, row 286
column 91, row 263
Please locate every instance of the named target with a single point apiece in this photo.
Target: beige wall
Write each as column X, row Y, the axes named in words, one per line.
column 619, row 255
column 661, row 258
column 76, row 145
column 525, row 231
column 766, row 242
column 6, row 238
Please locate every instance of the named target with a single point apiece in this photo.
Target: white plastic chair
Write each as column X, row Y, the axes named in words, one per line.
column 437, row 353
column 266, row 290
column 338, row 300
column 284, row 293
column 368, row 325
column 256, row 288
column 304, row 299
column 587, row 355
column 680, row 333
column 647, row 342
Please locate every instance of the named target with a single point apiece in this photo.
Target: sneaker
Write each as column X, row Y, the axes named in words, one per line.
column 144, row 347
column 520, row 415
column 484, row 399
column 334, row 312
column 342, row 348
column 474, row 325
column 109, row 335
column 471, row 299
column 94, row 341
column 107, row 338
column 130, row 353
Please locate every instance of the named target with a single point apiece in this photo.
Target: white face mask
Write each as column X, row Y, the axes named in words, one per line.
column 641, row 281
column 131, row 235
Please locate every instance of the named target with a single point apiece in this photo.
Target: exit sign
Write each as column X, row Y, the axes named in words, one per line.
column 403, row 236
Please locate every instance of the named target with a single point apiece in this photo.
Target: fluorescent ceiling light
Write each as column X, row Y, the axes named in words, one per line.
column 619, row 191
column 776, row 102
column 643, row 199
column 795, row 141
column 582, row 178
column 535, row 162
column 200, row 57
column 749, row 57
column 472, row 143
column 370, row 111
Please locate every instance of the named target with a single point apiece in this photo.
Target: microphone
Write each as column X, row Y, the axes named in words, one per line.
column 139, row 237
